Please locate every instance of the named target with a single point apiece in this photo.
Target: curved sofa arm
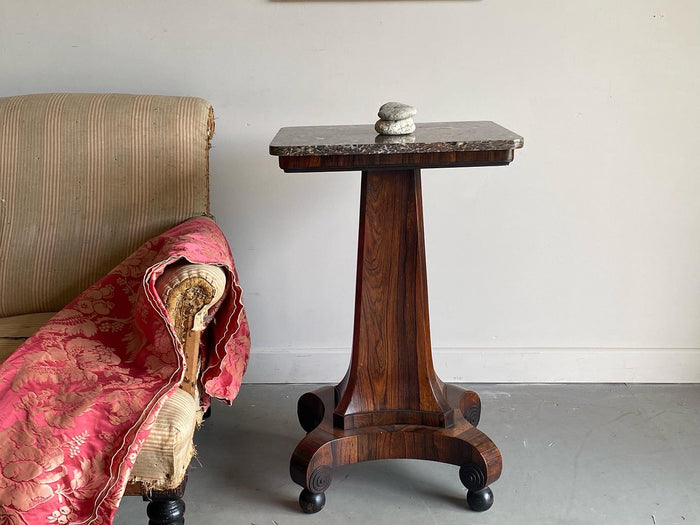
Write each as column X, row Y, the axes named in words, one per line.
column 188, row 292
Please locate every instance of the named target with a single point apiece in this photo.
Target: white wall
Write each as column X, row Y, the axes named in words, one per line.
column 579, row 262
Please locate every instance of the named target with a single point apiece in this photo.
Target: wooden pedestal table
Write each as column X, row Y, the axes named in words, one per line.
column 391, row 404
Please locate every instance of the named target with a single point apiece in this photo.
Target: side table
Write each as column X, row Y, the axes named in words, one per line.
column 391, row 403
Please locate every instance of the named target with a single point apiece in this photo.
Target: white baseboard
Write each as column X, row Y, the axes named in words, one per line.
column 494, row 365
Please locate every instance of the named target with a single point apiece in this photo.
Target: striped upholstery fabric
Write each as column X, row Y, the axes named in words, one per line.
column 85, row 179
column 165, row 455
column 15, row 330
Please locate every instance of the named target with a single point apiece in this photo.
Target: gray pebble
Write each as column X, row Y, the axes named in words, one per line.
column 394, row 139
column 396, row 111
column 395, row 127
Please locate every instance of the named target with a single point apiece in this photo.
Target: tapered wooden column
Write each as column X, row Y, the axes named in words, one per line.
column 391, row 379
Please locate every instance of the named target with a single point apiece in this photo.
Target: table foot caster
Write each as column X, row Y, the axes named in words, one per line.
column 311, row 502
column 480, row 500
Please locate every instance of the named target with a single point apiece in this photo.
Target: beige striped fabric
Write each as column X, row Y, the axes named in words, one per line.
column 165, row 455
column 23, row 325
column 15, row 330
column 85, row 179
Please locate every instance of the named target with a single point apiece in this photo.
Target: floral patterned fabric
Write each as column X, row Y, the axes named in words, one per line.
column 77, row 400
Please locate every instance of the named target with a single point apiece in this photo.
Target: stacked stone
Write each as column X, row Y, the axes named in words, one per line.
column 395, row 119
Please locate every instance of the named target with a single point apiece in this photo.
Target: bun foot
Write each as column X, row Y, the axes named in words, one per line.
column 311, row 502
column 166, row 512
column 480, row 500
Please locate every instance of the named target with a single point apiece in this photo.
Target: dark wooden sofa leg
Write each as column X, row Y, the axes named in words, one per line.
column 166, row 507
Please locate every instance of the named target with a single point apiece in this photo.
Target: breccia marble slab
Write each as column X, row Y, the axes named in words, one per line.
column 429, row 137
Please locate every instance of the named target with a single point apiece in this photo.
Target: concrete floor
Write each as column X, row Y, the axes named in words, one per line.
column 573, row 454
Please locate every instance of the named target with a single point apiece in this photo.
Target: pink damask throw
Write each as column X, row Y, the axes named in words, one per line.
column 78, row 399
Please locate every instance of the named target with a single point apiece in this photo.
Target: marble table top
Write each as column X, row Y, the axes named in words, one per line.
column 432, row 137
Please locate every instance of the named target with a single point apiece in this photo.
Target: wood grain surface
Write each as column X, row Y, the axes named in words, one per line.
column 391, row 404
column 391, row 379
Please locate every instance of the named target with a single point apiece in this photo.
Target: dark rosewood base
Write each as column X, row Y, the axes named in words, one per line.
column 326, row 446
column 391, row 403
